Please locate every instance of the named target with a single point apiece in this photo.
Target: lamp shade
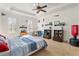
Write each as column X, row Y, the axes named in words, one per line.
column 74, row 30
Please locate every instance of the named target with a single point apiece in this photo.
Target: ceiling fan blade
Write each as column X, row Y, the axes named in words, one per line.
column 38, row 11
column 44, row 6
column 43, row 10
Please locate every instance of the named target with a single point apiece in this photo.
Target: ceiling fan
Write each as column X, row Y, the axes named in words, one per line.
column 40, row 8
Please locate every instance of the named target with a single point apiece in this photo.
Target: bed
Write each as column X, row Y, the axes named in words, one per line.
column 24, row 45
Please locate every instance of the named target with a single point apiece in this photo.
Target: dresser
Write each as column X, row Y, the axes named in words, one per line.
column 58, row 35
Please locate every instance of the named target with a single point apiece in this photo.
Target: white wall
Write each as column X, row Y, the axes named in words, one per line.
column 20, row 20
column 69, row 15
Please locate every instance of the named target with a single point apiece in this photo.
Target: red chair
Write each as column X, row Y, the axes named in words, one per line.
column 3, row 44
column 3, row 47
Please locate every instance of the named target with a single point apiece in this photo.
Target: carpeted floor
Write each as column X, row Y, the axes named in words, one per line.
column 58, row 49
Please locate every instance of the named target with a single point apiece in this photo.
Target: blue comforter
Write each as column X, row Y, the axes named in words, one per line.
column 20, row 46
column 32, row 44
column 16, row 50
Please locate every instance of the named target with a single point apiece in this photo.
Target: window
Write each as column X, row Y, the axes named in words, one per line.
column 11, row 24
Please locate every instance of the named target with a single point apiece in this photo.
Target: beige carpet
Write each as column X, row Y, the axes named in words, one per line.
column 58, row 49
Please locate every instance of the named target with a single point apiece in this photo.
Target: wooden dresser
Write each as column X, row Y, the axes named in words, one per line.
column 58, row 35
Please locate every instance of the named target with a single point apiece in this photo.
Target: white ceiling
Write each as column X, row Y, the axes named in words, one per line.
column 27, row 7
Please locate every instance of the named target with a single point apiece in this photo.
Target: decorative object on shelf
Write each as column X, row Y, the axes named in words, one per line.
column 50, row 23
column 58, row 23
column 62, row 24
